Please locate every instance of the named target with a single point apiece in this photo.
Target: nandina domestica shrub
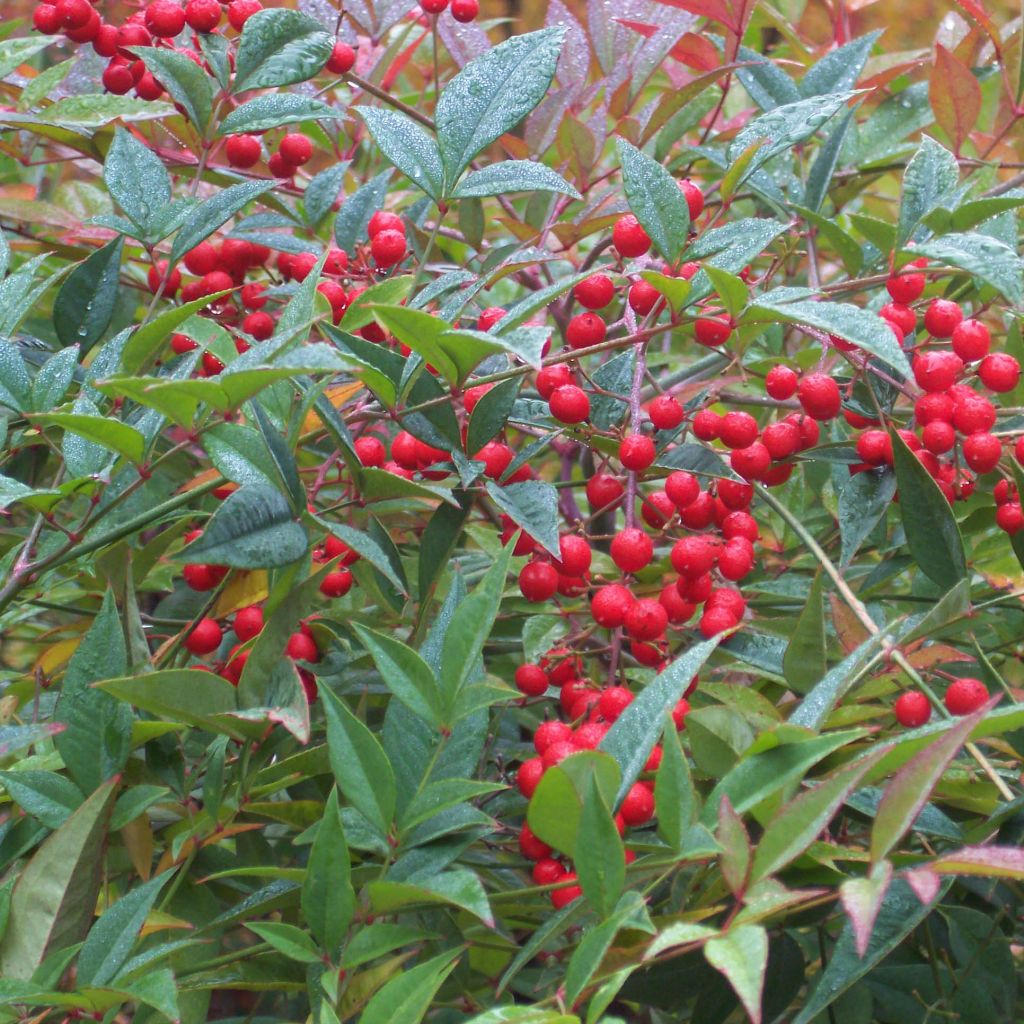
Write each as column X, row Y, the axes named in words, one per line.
column 509, row 525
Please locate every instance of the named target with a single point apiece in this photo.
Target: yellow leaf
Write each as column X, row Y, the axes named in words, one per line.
column 244, row 589
column 337, row 396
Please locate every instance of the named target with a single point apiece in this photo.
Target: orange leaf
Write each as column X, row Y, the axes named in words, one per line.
column 244, row 589
column 975, row 10
column 955, row 96
column 337, row 396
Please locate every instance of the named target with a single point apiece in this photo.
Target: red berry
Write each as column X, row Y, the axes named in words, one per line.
column 712, row 331
column 971, row 340
column 148, row 88
column 999, row 372
column 530, row 846
column 259, row 325
column 551, row 377
column 694, row 556
column 942, row 317
column 564, row 896
column 547, row 871
column 629, row 237
column 694, row 197
column 781, row 382
column 973, row 414
column 646, row 619
column 657, row 509
column 716, row 620
column 938, row 437
column 205, row 638
column 569, row 404
column 937, row 371
column 965, row 696
column 637, row 806
column 905, row 288
column 874, row 447
column 388, row 248
column 912, row 709
column 202, row 577
column 682, row 488
column 736, row 559
column 982, row 452
column 636, row 452
column 465, row 10
column 302, row 647
column 585, row 330
column 575, row 555
column 129, row 35
column 782, row 439
column 240, row 11
column 665, row 413
column 609, row 605
column 642, row 297
column 819, row 396
column 116, row 78
column 752, row 462
column 280, row 168
column 243, row 150
column 613, row 701
column 296, row 149
column 538, row 581
column 182, row 343
column 342, row 59
column 531, row 680
column 382, row 220
column 737, row 429
column 903, row 318
column 678, row 609
column 706, row 424
column 46, row 19
column 489, row 317
column 529, row 775
column 248, row 622
column 594, row 292
column 604, row 490
column 434, row 6
column 631, row 549
column 337, row 583
column 74, row 13
column 164, row 18
column 1010, row 517
column 202, row 15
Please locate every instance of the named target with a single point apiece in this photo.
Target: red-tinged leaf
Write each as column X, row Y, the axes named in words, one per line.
column 955, row 96
column 975, row 10
column 716, row 10
column 862, row 899
column 692, row 50
column 911, row 786
column 741, row 954
column 987, row 861
column 396, row 66
column 736, row 852
column 924, row 882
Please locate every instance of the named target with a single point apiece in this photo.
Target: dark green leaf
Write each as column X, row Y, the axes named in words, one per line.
column 184, row 79
column 405, row 673
column 216, row 211
column 863, row 501
column 805, row 661
column 656, row 200
column 839, row 69
column 533, row 505
column 407, row 146
column 279, row 47
column 274, row 109
column 929, row 180
column 86, row 300
column 513, row 176
column 328, row 902
column 45, row 795
column 357, row 209
column 136, row 178
column 602, row 866
column 322, row 192
column 406, row 998
column 985, row 257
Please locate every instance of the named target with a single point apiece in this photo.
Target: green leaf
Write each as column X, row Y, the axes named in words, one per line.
column 838, row 69
column 731, row 289
column 14, row 52
column 405, row 674
column 513, row 176
column 741, row 955
column 360, row 765
column 53, row 379
column 674, row 794
column 184, row 79
column 288, row 940
column 987, row 258
column 112, row 937
column 928, row 181
column 239, row 454
column 734, row 840
column 470, row 628
column 824, row 166
column 793, row 828
column 844, row 244
column 490, row 414
column 438, row 542
column 209, row 215
column 322, row 192
column 933, row 535
column 86, row 300
column 279, row 47
column 420, row 332
column 254, row 528
column 384, row 293
column 768, row 85
column 908, row 791
column 492, row 94
column 368, row 548
column 54, row 898
column 376, row 939
column 656, row 200
column 863, row 501
column 601, row 865
column 179, row 695
column 556, row 807
column 457, row 887
column 45, row 795
column 900, row 914
column 159, row 990
column 533, row 505
column 865, row 329
column 406, row 998
column 974, row 211
column 805, row 661
column 136, row 178
column 272, row 110
column 146, row 341
column 468, row 348
column 635, row 732
column 356, row 211
column 408, row 147
column 107, row 433
column 97, row 737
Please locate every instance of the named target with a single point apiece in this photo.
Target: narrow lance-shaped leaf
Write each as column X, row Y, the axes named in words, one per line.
column 407, row 146
column 328, row 902
column 86, row 300
column 656, row 200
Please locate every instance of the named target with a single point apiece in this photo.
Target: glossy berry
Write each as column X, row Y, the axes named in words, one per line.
column 538, row 581
column 971, row 340
column 942, row 317
column 302, row 647
column 782, row 439
column 936, row 370
column 569, row 404
column 752, row 462
column 604, row 490
column 434, row 6
column 202, row 15
column 531, row 680
column 74, row 13
column 706, row 424
column 965, row 696
column 712, row 331
column 243, row 151
column 636, row 452
column 563, row 897
column 737, row 429
column 999, row 372
column 248, row 622
column 202, row 577
column 585, row 330
column 46, row 19
column 631, row 549
column 529, row 775
column 903, row 318
column 240, row 11
column 912, row 709
column 296, row 149
column 665, row 413
column 388, row 248
column 819, row 396
column 982, row 452
column 646, row 619
column 637, row 806
column 642, row 297
column 694, row 197
column 205, row 638
column 465, row 10
column 594, row 292
column 342, row 59
column 781, row 383
column 164, row 18
column 905, row 288
column 629, row 237
column 337, row 583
